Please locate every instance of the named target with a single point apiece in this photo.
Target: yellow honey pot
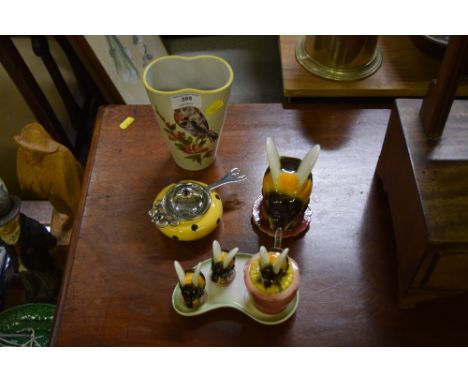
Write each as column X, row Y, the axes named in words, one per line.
column 198, row 227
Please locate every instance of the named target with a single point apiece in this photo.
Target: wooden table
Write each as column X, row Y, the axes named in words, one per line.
column 405, row 72
column 120, row 277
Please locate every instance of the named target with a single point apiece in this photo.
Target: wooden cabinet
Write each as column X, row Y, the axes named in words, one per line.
column 427, row 189
column 449, row 271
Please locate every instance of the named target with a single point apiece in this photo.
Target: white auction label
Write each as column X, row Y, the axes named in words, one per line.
column 185, row 100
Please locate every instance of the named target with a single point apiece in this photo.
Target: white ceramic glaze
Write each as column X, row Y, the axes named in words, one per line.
column 233, row 296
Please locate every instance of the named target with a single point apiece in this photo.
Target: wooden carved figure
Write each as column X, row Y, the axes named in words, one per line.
column 49, row 171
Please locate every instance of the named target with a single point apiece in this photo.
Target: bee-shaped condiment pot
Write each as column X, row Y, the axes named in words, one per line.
column 223, row 264
column 272, row 278
column 192, row 284
column 286, row 189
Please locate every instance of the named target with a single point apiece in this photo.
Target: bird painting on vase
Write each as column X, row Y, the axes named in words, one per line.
column 192, row 120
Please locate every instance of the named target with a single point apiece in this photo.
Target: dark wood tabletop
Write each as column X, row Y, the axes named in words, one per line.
column 120, row 277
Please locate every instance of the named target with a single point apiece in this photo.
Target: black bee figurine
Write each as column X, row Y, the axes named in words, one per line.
column 192, row 285
column 222, row 264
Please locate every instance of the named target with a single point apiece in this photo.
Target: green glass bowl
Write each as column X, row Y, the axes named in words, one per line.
column 19, row 320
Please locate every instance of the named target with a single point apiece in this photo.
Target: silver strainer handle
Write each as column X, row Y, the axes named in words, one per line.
column 161, row 218
column 232, row 176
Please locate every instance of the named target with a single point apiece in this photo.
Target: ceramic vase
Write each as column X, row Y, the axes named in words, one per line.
column 189, row 96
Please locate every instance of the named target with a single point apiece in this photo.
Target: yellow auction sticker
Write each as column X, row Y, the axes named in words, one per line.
column 126, row 122
column 215, row 106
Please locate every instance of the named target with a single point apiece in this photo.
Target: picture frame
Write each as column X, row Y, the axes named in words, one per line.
column 116, row 63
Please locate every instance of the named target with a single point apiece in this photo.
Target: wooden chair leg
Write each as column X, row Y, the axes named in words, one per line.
column 439, row 99
column 40, row 47
column 19, row 72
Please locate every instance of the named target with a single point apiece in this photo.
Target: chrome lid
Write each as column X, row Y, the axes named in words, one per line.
column 187, row 201
column 183, row 201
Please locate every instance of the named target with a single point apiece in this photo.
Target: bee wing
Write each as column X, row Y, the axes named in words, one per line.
column 196, row 274
column 264, row 259
column 230, row 256
column 279, row 260
column 307, row 164
column 180, row 272
column 273, row 159
column 216, row 251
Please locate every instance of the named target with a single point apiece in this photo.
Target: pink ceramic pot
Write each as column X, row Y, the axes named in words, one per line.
column 271, row 303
